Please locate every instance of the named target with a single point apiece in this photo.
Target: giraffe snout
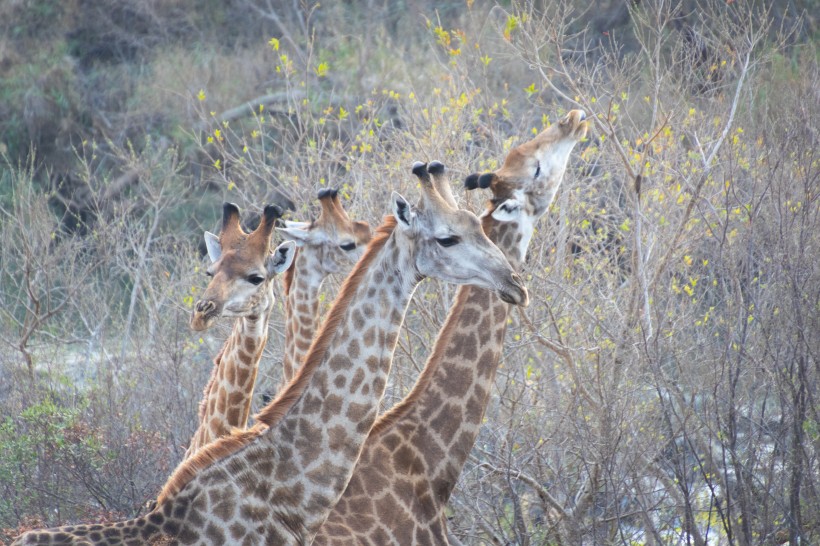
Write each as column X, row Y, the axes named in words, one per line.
column 516, row 292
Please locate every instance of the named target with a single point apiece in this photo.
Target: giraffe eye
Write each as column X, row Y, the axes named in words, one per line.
column 447, row 241
column 255, row 279
column 537, row 169
column 347, row 247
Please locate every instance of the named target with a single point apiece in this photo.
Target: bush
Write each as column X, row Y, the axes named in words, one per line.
column 662, row 386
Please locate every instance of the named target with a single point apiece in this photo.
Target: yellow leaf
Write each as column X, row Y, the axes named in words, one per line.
column 509, row 26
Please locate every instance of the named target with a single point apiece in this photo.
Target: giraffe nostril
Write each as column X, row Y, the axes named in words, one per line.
column 204, row 314
column 205, row 306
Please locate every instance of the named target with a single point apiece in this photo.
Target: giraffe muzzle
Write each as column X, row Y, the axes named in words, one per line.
column 515, row 292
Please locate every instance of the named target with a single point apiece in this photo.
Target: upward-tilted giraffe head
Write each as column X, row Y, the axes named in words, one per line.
column 536, row 167
column 242, row 269
column 335, row 241
column 449, row 244
column 525, row 185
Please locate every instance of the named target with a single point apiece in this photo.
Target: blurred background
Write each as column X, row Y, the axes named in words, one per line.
column 662, row 388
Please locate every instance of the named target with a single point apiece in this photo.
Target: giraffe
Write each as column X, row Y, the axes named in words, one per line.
column 242, row 270
column 417, row 449
column 331, row 244
column 277, row 482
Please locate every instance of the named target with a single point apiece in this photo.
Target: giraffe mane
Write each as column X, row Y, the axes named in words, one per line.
column 274, row 411
column 386, row 421
column 205, row 457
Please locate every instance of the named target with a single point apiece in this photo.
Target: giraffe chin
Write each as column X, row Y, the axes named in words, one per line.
column 514, row 291
column 517, row 297
column 200, row 322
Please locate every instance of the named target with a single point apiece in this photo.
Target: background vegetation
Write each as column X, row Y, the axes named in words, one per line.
column 661, row 389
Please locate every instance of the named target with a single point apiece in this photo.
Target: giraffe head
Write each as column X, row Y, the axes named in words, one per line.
column 242, row 269
column 335, row 241
column 525, row 185
column 449, row 244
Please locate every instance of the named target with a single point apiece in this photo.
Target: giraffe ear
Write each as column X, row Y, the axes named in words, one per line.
column 402, row 211
column 508, row 211
column 213, row 246
column 298, row 235
column 281, row 258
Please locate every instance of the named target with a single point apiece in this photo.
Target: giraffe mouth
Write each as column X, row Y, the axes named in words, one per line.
column 200, row 323
column 515, row 292
column 580, row 123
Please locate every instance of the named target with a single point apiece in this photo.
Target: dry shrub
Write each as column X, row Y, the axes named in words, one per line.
column 662, row 386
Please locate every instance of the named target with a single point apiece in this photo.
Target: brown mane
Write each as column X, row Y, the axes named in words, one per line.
column 399, row 410
column 274, row 411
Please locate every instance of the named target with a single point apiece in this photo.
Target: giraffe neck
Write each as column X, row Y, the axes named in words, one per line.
column 435, row 426
column 226, row 401
column 301, row 311
column 331, row 419
column 453, row 390
column 137, row 531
